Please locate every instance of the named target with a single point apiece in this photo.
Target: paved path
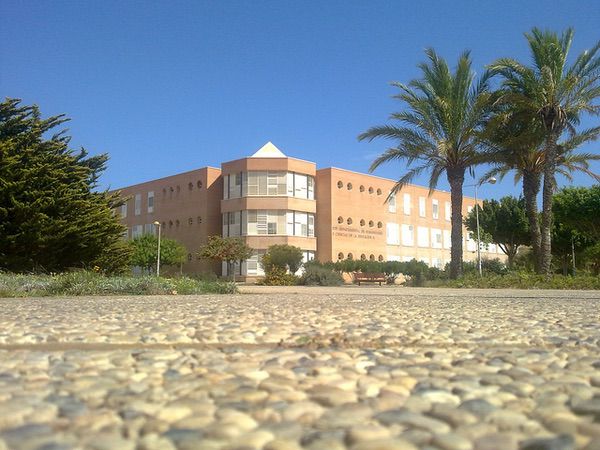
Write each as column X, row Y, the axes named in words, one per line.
column 317, row 368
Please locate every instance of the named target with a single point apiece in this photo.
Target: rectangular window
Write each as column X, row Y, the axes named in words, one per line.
column 423, row 236
column 447, row 239
column 149, row 228
column 301, row 224
column 151, row 201
column 422, row 207
column 471, row 244
column 392, row 203
column 124, row 210
column 437, row 262
column 448, row 207
column 436, row 238
column 311, row 226
column 393, row 233
column 137, row 231
column 407, row 207
column 225, row 187
column 311, row 187
column 435, row 209
column 301, row 185
column 469, row 209
column 408, row 235
column 138, row 204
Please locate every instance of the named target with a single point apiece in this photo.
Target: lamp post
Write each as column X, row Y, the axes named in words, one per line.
column 157, row 223
column 491, row 180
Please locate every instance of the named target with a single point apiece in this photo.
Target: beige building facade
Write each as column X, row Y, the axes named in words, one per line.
column 269, row 198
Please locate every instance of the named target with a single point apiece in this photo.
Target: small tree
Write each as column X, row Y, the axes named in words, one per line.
column 503, row 223
column 286, row 257
column 145, row 248
column 226, row 249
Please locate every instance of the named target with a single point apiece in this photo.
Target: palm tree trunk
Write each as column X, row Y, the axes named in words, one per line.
column 531, row 188
column 456, row 178
column 547, row 194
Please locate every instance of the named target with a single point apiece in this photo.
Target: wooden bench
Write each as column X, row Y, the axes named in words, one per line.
column 360, row 277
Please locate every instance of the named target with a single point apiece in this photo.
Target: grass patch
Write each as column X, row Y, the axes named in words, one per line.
column 520, row 280
column 91, row 283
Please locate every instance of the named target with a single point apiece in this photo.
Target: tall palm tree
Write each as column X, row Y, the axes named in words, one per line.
column 554, row 95
column 439, row 132
column 518, row 146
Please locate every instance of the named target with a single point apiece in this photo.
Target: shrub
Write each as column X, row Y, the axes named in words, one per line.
column 285, row 257
column 523, row 280
column 316, row 274
column 92, row 283
column 277, row 276
column 489, row 266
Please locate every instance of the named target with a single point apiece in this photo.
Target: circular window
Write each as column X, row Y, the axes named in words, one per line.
column 370, row 190
column 378, row 191
column 177, row 223
column 171, row 188
column 349, row 221
column 340, row 219
column 371, row 257
column 199, row 184
column 190, row 221
column 340, row 184
column 362, row 222
column 363, row 257
column 170, row 223
column 362, row 188
column 190, row 185
column 380, row 258
column 340, row 256
column 199, row 219
column 371, row 223
column 349, row 186
column 379, row 225
column 350, row 256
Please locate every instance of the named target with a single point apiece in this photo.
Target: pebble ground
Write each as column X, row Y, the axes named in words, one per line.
column 275, row 369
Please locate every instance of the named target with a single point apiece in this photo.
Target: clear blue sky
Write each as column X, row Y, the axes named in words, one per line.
column 169, row 86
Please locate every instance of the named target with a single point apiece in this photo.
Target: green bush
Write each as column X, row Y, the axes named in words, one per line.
column 488, row 266
column 521, row 280
column 277, row 276
column 92, row 283
column 316, row 274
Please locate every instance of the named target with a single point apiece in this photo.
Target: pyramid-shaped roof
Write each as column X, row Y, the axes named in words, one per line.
column 268, row 151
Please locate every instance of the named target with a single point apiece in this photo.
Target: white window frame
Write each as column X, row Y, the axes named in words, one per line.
column 435, row 209
column 422, row 207
column 392, row 203
column 138, row 204
column 436, row 238
column 408, row 235
column 392, row 233
column 423, row 237
column 151, row 202
column 406, row 204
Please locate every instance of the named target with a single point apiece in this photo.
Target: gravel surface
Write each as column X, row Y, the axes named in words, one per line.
column 323, row 368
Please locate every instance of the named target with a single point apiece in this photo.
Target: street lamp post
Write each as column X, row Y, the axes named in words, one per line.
column 491, row 180
column 157, row 223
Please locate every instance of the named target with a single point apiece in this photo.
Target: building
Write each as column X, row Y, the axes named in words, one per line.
column 269, row 198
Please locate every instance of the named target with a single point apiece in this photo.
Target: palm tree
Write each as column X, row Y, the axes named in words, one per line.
column 439, row 132
column 554, row 95
column 514, row 145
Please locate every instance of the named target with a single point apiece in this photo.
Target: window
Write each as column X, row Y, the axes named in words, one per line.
column 378, row 191
column 437, row 262
column 199, row 184
column 340, row 256
column 371, row 223
column 290, row 223
column 136, row 231
column 422, row 207
column 350, row 256
column 436, row 238
column 448, row 210
column 469, row 209
column 349, row 186
column 198, row 220
column 393, row 233
column 370, row 189
column 300, row 185
column 138, row 204
column 392, row 203
column 340, row 184
column 124, row 210
column 447, row 239
column 349, row 221
column 380, row 258
column 407, row 208
column 379, row 224
column 340, row 219
column 232, row 224
column 423, row 236
column 190, row 221
column 408, row 235
column 253, row 264
column 362, row 222
column 435, row 209
column 311, row 187
column 471, row 244
column 151, row 201
column 189, row 257
column 149, row 228
column 177, row 223
column 363, row 257
column 190, row 185
column 371, row 257
column 361, row 188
